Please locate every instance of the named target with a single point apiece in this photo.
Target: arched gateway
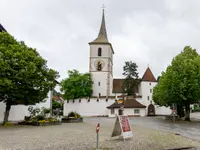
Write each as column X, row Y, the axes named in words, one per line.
column 151, row 110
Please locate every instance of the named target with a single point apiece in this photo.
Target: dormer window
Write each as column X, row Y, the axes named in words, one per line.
column 99, row 51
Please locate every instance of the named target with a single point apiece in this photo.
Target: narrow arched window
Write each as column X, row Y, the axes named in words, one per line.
column 99, row 67
column 99, row 51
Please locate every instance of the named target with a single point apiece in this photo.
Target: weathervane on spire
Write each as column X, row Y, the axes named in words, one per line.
column 103, row 7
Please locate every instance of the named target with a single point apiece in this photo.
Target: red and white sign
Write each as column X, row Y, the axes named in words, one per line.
column 122, row 127
column 97, row 128
column 125, row 124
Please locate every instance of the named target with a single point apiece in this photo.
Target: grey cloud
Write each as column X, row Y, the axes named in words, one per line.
column 146, row 32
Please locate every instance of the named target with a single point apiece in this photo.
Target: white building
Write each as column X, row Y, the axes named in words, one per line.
column 106, row 89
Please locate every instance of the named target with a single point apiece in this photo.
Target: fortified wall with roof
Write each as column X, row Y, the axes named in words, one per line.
column 106, row 89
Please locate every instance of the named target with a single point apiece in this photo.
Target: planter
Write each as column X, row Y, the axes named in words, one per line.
column 39, row 123
column 72, row 120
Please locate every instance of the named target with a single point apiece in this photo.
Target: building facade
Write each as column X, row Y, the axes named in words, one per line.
column 106, row 89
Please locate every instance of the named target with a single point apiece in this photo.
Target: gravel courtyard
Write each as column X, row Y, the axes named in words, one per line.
column 82, row 136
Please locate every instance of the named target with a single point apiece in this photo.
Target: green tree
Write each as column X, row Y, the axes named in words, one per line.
column 180, row 83
column 158, row 78
column 24, row 76
column 131, row 80
column 77, row 85
column 56, row 105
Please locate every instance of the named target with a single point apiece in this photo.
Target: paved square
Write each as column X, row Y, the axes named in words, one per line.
column 82, row 136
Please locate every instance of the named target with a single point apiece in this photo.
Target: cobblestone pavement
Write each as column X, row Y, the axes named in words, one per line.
column 195, row 115
column 187, row 129
column 82, row 136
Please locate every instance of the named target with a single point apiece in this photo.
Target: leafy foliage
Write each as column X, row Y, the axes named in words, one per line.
column 56, row 105
column 24, row 76
column 131, row 80
column 77, row 85
column 180, row 83
column 74, row 114
column 37, row 114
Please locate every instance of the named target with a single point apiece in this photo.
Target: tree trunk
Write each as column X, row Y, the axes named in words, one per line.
column 6, row 114
column 180, row 111
column 187, row 112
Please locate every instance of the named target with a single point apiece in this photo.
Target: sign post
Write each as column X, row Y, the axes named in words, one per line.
column 122, row 127
column 97, row 131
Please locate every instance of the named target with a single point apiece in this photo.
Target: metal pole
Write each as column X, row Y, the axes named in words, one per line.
column 51, row 97
column 97, row 146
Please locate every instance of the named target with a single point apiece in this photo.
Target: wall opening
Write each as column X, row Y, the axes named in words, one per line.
column 99, row 51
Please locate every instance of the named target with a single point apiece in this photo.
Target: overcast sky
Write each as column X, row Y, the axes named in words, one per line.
column 145, row 32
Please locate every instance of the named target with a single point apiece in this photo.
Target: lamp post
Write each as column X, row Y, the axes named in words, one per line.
column 51, row 97
column 121, row 112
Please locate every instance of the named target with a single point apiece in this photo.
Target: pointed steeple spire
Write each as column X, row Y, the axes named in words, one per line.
column 102, row 31
column 102, row 36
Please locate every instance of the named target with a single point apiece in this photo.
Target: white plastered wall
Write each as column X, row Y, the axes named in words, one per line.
column 85, row 108
column 128, row 111
column 18, row 112
column 144, row 89
column 101, row 76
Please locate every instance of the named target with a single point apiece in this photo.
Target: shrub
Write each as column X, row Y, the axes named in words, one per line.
column 33, row 112
column 50, row 119
column 44, row 111
column 6, row 124
column 196, row 107
column 27, row 118
column 74, row 114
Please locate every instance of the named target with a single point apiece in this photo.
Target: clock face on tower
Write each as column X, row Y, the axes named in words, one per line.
column 99, row 65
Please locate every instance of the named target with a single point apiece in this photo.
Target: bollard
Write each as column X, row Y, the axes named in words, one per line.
column 97, row 131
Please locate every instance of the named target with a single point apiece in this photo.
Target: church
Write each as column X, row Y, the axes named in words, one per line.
column 107, row 89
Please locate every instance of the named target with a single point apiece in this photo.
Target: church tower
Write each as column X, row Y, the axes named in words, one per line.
column 101, row 62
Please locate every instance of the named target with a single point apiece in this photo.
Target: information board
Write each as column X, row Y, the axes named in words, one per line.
column 122, row 127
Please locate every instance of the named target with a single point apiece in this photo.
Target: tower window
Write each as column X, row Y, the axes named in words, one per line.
column 150, row 83
column 99, row 94
column 148, row 97
column 150, row 90
column 99, row 83
column 99, row 51
column 99, row 67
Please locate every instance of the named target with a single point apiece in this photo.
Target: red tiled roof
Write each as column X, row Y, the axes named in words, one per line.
column 129, row 103
column 148, row 76
column 117, row 85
